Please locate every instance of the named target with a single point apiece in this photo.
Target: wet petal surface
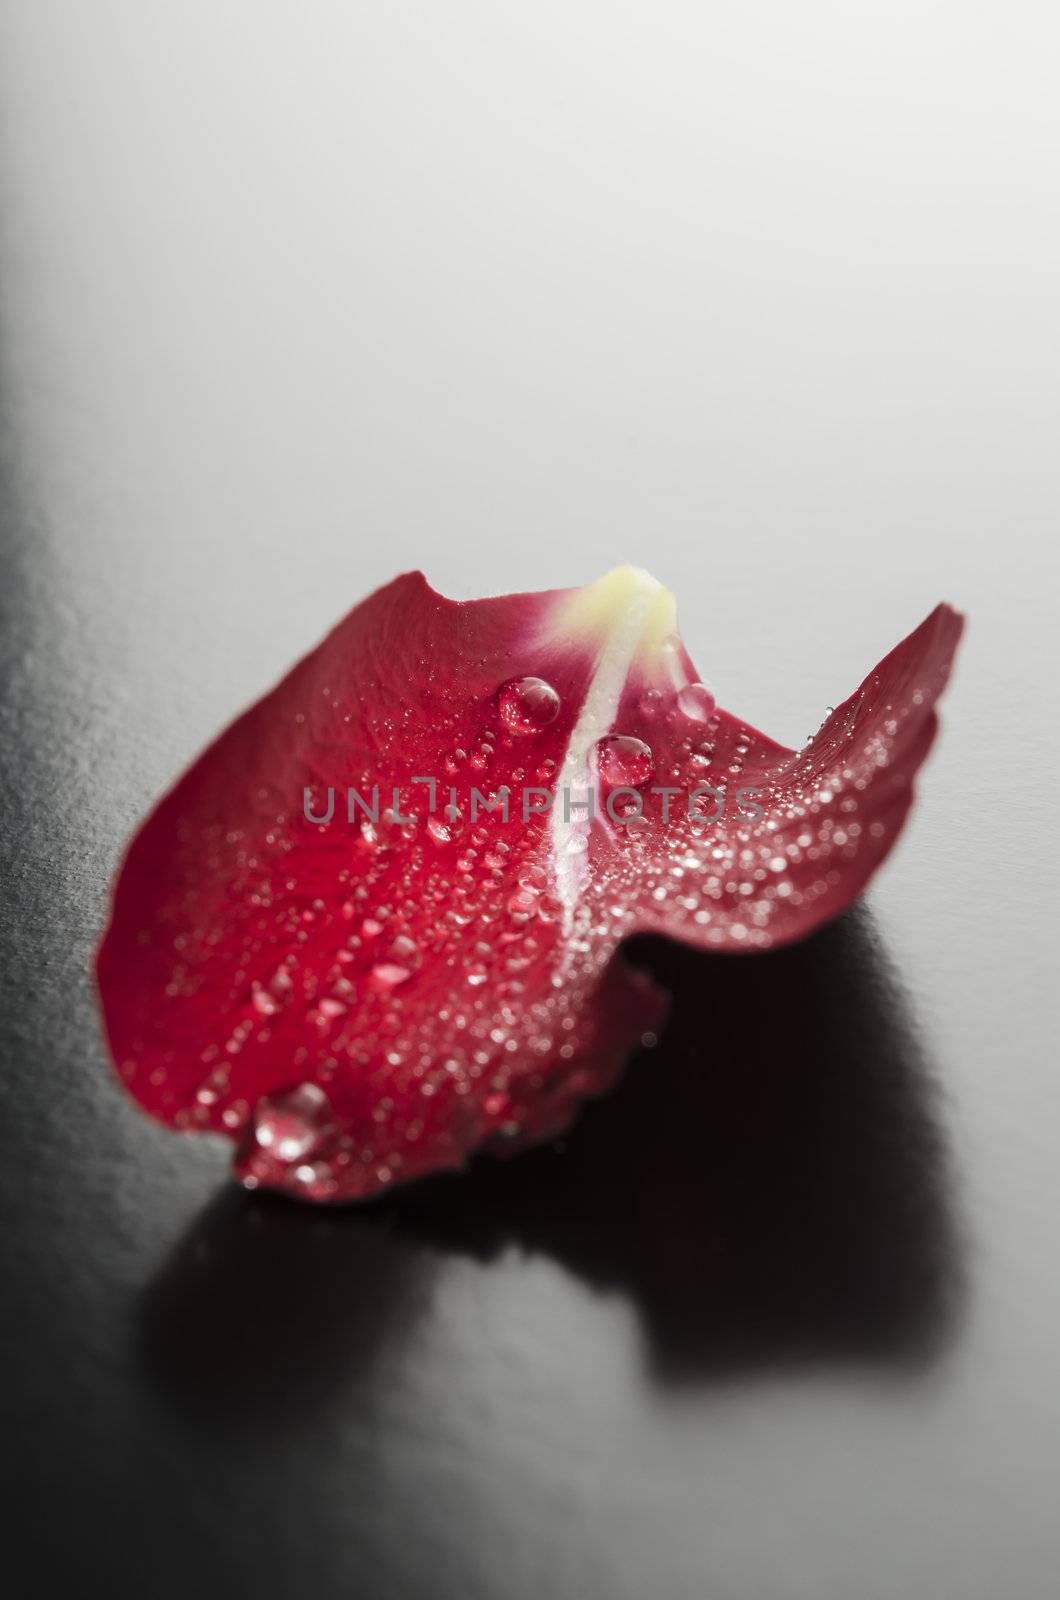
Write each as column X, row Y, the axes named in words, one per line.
column 377, row 925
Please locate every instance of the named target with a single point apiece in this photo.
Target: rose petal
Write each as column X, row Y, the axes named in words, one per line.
column 357, row 1002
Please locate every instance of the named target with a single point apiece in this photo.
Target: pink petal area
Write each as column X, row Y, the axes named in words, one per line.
column 359, row 1004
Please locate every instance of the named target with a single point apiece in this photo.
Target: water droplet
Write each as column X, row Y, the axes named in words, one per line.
column 527, row 705
column 262, row 1001
column 289, row 1125
column 388, row 974
column 697, row 702
column 444, row 827
column 522, row 905
column 624, row 762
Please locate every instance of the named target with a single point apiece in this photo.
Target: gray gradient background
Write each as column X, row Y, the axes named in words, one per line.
column 761, row 296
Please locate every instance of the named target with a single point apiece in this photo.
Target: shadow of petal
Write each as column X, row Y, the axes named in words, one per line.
column 769, row 1185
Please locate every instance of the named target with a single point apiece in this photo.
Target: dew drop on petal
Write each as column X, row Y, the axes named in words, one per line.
column 527, row 705
column 438, row 830
column 522, row 905
column 697, row 702
column 624, row 762
column 262, row 1001
column 289, row 1125
column 388, row 974
column 444, row 827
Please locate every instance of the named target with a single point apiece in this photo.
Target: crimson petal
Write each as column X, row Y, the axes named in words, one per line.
column 360, row 1000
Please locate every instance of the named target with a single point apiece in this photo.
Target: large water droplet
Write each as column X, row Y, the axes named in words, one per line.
column 624, row 762
column 290, row 1125
column 527, row 705
column 697, row 702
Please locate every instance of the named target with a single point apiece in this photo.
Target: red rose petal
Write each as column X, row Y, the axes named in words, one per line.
column 359, row 1002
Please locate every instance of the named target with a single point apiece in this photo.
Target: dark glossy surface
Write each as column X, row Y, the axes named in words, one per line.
column 766, row 303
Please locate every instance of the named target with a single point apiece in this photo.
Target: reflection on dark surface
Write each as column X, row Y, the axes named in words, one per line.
column 769, row 1185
